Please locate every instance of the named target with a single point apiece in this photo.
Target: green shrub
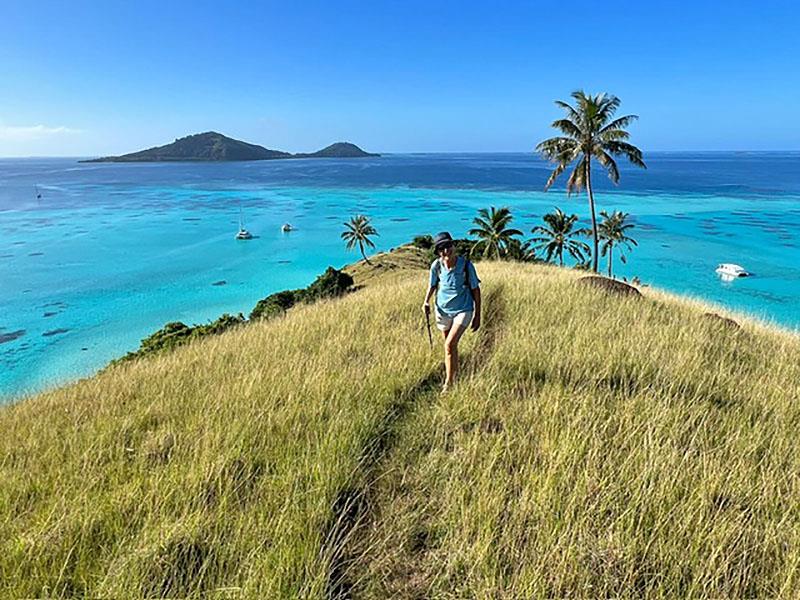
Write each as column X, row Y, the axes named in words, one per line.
column 172, row 334
column 223, row 323
column 423, row 242
column 176, row 334
column 330, row 284
column 276, row 304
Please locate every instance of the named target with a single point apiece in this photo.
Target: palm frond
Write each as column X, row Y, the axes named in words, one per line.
column 577, row 179
column 573, row 114
column 609, row 164
column 619, row 123
column 568, row 128
column 631, row 152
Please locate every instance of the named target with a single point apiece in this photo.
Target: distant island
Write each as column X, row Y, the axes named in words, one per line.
column 213, row 146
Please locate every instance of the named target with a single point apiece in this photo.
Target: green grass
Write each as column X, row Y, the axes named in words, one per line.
column 594, row 446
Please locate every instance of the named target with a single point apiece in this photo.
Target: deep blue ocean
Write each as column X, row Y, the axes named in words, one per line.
column 111, row 252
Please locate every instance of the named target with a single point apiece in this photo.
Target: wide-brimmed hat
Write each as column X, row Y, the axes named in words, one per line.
column 440, row 239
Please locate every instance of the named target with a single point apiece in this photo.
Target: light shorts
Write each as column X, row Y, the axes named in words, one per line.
column 445, row 322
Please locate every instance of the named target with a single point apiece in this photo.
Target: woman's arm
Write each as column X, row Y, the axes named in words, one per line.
column 476, row 319
column 426, row 305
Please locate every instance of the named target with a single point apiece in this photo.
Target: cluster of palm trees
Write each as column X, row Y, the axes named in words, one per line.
column 496, row 239
column 589, row 131
column 557, row 237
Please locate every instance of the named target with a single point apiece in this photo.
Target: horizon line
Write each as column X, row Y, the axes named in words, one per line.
column 419, row 152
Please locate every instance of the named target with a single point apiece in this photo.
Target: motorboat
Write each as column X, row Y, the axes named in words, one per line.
column 731, row 271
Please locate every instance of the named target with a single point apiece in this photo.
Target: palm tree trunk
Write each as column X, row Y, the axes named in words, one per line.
column 361, row 247
column 591, row 208
column 610, row 257
column 561, row 257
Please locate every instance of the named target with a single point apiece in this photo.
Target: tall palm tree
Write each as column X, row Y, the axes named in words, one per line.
column 358, row 229
column 560, row 236
column 613, row 230
column 493, row 232
column 589, row 131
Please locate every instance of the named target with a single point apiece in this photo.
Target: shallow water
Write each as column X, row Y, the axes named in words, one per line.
column 111, row 252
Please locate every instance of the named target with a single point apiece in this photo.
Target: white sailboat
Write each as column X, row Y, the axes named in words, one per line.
column 242, row 234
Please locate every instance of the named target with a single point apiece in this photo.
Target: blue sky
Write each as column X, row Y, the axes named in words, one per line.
column 80, row 78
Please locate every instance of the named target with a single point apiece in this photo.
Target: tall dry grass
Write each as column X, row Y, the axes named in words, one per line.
column 594, row 446
column 601, row 447
column 213, row 468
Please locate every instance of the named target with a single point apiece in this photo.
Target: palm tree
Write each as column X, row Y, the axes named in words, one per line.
column 358, row 229
column 492, row 232
column 612, row 232
column 590, row 131
column 560, row 236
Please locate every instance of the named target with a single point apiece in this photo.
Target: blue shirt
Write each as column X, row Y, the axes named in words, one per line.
column 454, row 296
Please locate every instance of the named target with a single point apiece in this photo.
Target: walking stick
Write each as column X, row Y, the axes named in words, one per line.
column 428, row 321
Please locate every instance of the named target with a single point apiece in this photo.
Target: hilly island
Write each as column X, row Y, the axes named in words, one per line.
column 213, row 146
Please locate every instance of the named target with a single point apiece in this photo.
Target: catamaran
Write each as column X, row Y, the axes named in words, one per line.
column 243, row 234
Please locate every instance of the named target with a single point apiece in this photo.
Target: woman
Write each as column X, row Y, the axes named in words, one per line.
column 458, row 300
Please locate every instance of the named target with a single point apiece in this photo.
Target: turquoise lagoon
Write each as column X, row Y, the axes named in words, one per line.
column 111, row 252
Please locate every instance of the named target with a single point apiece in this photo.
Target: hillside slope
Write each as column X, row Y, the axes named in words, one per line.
column 594, row 446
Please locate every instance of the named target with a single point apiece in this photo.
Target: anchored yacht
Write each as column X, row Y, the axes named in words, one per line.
column 731, row 271
column 243, row 234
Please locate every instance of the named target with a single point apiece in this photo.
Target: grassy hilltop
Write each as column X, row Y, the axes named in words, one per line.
column 595, row 446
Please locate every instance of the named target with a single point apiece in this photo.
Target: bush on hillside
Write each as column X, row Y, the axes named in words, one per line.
column 223, row 323
column 176, row 334
column 169, row 336
column 330, row 284
column 276, row 304
column 423, row 242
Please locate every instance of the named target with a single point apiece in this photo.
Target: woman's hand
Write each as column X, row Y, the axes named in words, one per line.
column 426, row 308
column 476, row 322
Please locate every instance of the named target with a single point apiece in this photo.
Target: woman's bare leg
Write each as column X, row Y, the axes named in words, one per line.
column 451, row 338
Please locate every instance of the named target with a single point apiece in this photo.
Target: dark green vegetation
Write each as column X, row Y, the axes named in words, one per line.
column 276, row 304
column 589, row 131
column 176, row 334
column 330, row 284
column 213, row 146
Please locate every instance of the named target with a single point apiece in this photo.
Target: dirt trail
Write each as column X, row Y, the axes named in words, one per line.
column 352, row 507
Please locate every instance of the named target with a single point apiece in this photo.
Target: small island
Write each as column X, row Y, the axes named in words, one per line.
column 337, row 150
column 213, row 146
